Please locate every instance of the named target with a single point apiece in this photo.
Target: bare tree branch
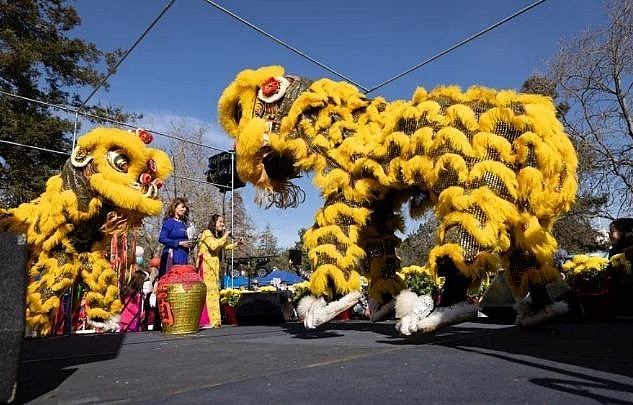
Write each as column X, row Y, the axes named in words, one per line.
column 594, row 76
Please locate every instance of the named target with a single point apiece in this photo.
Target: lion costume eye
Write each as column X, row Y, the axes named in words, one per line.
column 237, row 113
column 118, row 160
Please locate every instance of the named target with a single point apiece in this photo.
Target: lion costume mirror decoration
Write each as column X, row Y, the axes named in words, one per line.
column 109, row 184
column 496, row 167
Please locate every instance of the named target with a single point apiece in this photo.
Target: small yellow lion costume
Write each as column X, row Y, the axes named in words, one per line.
column 496, row 166
column 109, row 184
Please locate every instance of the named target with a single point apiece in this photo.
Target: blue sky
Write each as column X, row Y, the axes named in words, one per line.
column 179, row 70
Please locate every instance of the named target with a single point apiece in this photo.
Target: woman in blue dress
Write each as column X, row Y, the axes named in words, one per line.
column 173, row 235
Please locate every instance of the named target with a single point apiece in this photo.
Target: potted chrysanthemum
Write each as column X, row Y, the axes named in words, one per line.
column 300, row 290
column 590, row 278
column 421, row 280
column 587, row 274
column 229, row 297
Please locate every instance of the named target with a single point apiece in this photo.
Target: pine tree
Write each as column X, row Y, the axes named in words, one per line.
column 415, row 248
column 39, row 61
column 267, row 242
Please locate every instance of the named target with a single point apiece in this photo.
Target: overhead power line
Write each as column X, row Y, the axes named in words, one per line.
column 70, row 109
column 126, row 54
column 68, row 154
column 282, row 43
column 34, row 147
column 398, row 76
column 457, row 45
column 110, row 120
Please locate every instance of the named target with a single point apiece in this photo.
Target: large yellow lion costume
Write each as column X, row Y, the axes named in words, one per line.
column 108, row 185
column 496, row 166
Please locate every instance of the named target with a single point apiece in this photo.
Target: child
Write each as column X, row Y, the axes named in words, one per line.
column 149, row 290
column 132, row 299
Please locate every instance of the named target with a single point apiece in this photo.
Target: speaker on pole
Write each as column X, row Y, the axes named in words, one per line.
column 220, row 171
column 12, row 309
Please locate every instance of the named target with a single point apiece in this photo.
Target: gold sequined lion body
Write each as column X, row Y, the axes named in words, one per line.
column 108, row 185
column 496, row 166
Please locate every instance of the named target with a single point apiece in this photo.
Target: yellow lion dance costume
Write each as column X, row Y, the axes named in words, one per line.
column 108, row 185
column 496, row 166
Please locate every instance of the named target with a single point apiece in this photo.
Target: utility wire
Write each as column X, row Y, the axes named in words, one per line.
column 110, row 120
column 457, row 45
column 34, row 147
column 123, row 124
column 191, row 179
column 68, row 154
column 398, row 76
column 125, row 55
column 31, row 100
column 282, row 43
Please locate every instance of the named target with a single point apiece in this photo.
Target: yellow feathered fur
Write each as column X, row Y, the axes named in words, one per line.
column 496, row 165
column 56, row 262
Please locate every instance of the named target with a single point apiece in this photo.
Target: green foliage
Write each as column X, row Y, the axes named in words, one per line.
column 230, row 296
column 592, row 276
column 421, row 284
column 415, row 248
column 280, row 261
column 574, row 231
column 547, row 87
column 299, row 242
column 39, row 61
column 299, row 291
column 267, row 242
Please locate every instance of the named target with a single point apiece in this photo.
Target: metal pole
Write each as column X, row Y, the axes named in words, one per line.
column 75, row 129
column 232, row 207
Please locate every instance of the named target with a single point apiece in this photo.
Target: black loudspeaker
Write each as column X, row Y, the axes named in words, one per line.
column 295, row 256
column 260, row 308
column 12, row 309
column 219, row 171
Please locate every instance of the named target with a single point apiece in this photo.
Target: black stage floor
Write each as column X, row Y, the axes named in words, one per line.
column 353, row 362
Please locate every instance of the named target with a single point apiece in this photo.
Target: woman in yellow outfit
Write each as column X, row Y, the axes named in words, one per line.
column 210, row 245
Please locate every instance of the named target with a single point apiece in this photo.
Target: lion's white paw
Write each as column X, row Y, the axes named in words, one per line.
column 304, row 305
column 444, row 316
column 411, row 309
column 528, row 318
column 320, row 312
column 110, row 325
column 317, row 306
column 424, row 318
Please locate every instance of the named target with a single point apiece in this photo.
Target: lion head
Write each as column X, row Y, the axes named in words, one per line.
column 275, row 119
column 118, row 168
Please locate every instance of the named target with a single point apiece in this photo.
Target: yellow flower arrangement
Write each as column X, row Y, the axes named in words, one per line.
column 230, row 296
column 582, row 264
column 267, row 288
column 299, row 290
column 587, row 274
